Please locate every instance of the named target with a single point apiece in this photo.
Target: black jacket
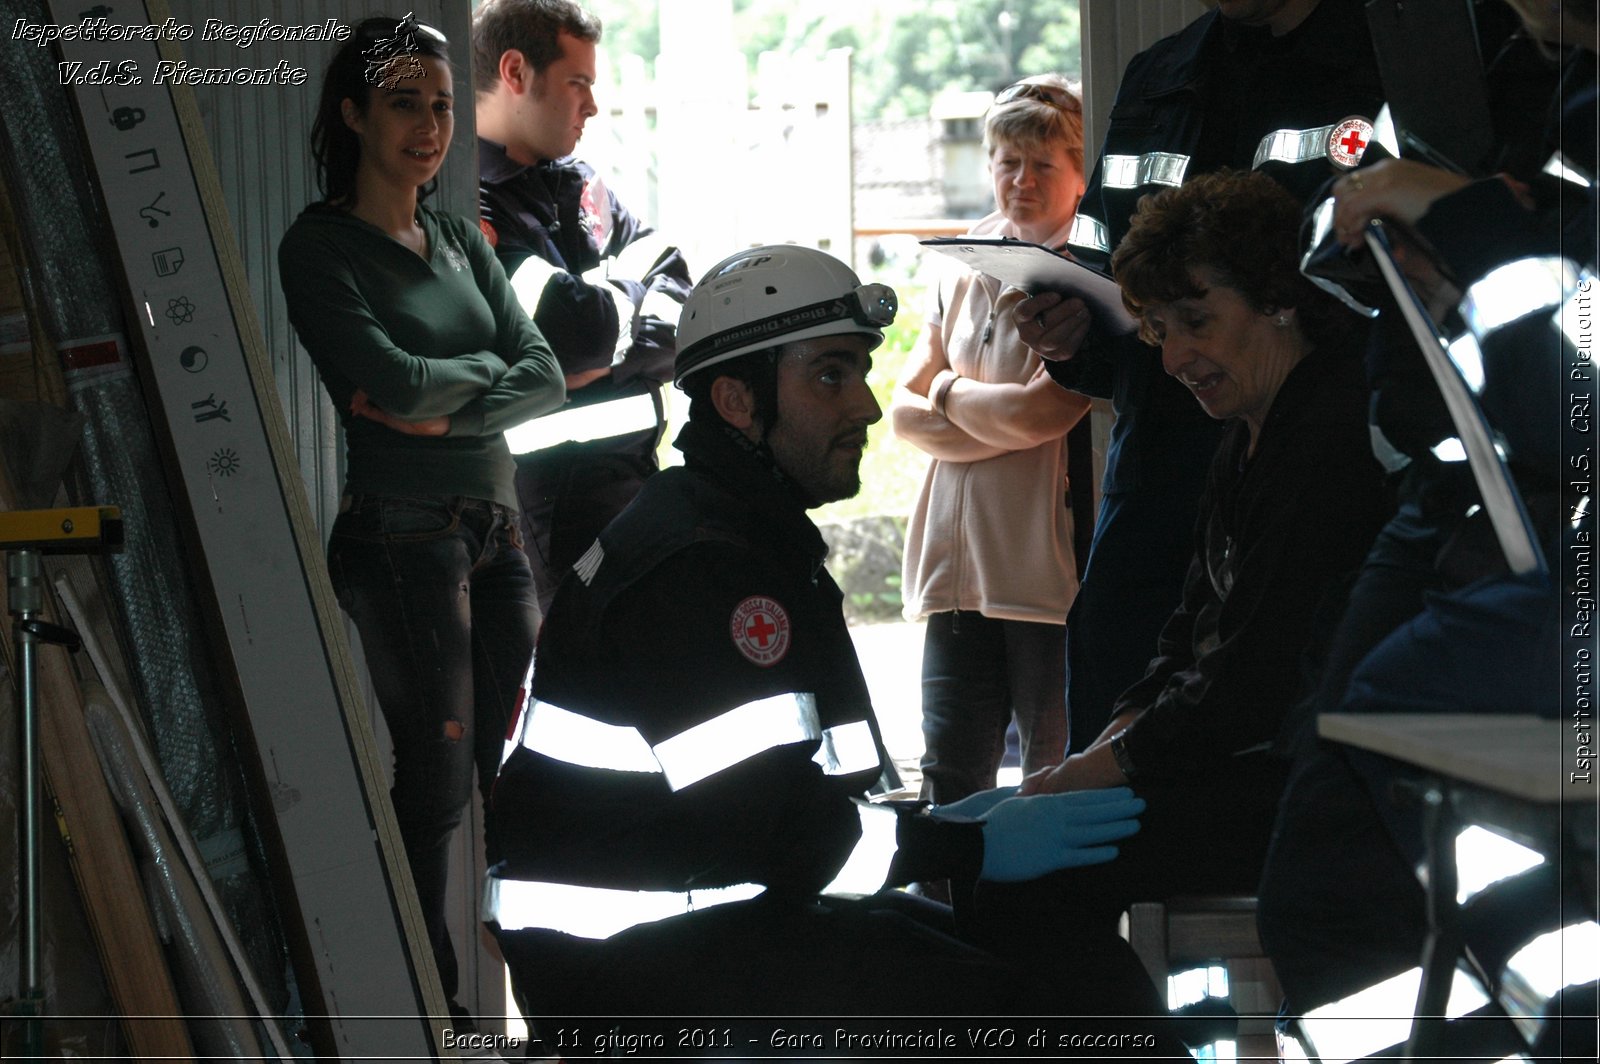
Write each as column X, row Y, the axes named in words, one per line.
column 562, row 213
column 1278, row 535
column 1211, row 92
column 1206, row 95
column 708, row 593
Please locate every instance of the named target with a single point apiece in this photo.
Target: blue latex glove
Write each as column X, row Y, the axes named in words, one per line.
column 974, row 806
column 1024, row 838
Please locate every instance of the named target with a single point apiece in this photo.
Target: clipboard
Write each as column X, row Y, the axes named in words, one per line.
column 1035, row 268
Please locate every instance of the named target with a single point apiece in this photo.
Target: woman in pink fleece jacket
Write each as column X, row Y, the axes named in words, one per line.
column 988, row 556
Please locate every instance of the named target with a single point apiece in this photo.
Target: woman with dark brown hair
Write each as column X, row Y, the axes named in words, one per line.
column 1209, row 271
column 428, row 357
column 1293, row 500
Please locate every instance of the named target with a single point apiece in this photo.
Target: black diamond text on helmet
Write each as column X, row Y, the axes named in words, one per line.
column 871, row 304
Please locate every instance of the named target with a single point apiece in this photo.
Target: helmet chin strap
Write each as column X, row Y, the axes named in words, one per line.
column 757, row 437
column 759, row 449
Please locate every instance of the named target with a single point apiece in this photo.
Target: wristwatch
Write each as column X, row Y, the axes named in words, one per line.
column 1119, row 751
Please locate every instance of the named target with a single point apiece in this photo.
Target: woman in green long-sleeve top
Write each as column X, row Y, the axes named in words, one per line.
column 428, row 357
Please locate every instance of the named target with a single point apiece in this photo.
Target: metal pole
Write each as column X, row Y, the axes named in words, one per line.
column 25, row 586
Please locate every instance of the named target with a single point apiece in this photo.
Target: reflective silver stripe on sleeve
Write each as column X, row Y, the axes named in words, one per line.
column 1558, row 165
column 589, row 563
column 1467, row 356
column 579, row 740
column 1383, row 131
column 1089, row 232
column 1513, row 291
column 737, row 735
column 584, row 424
column 658, row 304
column 867, row 868
column 848, row 748
column 1151, row 168
column 1321, row 227
column 595, row 912
column 704, row 749
column 1451, row 449
column 599, row 279
column 529, row 281
column 1388, row 455
column 1292, row 146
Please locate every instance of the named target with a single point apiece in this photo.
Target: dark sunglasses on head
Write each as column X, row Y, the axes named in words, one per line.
column 381, row 28
column 1050, row 94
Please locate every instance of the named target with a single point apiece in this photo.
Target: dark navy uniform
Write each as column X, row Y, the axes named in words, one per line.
column 671, row 823
column 561, row 214
column 1435, row 622
column 1215, row 94
column 712, row 588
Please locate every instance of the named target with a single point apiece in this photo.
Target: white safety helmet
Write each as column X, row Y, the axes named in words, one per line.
column 776, row 294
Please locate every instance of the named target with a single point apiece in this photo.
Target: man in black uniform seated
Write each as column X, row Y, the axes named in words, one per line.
column 681, row 825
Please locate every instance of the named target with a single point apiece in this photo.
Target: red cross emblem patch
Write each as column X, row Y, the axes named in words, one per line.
column 760, row 629
column 1348, row 141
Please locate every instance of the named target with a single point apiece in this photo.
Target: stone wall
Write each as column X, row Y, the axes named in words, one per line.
column 864, row 557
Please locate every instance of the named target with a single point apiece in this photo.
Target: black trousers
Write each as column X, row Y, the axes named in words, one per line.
column 1340, row 904
column 1203, row 836
column 978, row 675
column 742, row 978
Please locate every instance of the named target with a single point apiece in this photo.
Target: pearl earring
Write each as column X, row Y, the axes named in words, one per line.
column 1282, row 322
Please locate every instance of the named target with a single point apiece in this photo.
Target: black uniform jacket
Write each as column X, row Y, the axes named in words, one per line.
column 707, row 594
column 560, row 212
column 1207, row 97
column 1280, row 533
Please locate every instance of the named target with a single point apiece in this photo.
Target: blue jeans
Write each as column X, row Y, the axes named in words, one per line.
column 440, row 590
column 977, row 673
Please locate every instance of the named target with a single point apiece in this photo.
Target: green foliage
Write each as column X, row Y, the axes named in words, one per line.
column 875, row 607
column 965, row 45
column 630, row 27
column 788, row 27
column 906, row 51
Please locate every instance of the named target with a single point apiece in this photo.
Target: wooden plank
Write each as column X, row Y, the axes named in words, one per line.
column 135, row 966
column 97, row 848
column 1518, row 754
